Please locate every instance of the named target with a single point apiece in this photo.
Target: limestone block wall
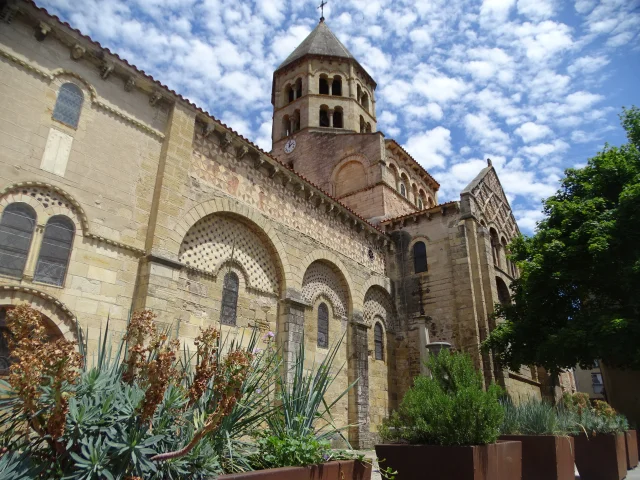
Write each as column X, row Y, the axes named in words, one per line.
column 99, row 174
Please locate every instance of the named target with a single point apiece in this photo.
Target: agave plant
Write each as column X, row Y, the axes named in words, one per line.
column 137, row 411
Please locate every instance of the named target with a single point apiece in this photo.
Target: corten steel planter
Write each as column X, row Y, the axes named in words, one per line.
column 496, row 461
column 631, row 442
column 546, row 457
column 340, row 470
column 601, row 457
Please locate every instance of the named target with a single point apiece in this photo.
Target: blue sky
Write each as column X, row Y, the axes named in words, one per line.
column 536, row 85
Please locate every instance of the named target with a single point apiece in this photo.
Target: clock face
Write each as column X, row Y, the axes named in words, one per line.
column 289, row 146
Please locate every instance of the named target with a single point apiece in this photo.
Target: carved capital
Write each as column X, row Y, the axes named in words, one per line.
column 77, row 51
column 129, row 84
column 155, row 98
column 106, row 68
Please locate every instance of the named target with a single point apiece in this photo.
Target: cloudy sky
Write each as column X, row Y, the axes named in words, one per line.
column 536, row 85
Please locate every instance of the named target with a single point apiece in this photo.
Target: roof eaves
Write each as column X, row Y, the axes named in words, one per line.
column 435, row 208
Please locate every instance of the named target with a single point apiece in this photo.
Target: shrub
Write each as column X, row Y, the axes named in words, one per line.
column 532, row 417
column 139, row 411
column 287, row 450
column 594, row 419
column 448, row 408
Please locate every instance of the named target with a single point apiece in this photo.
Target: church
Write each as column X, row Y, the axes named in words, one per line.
column 117, row 194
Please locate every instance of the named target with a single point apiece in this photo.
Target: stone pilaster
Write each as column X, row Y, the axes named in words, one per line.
column 359, row 434
column 291, row 326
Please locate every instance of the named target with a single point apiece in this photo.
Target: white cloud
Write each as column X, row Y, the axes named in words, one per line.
column 545, row 149
column 532, row 131
column 588, row 64
column 431, row 147
column 481, row 128
column 536, row 9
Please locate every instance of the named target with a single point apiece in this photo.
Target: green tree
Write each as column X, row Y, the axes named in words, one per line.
column 578, row 297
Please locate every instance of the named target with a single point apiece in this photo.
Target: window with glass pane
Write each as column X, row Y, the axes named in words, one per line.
column 55, row 251
column 68, row 105
column 16, row 231
column 5, row 357
column 229, row 299
column 378, row 341
column 323, row 325
column 419, row 257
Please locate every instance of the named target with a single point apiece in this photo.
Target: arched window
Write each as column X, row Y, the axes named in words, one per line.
column 336, row 86
column 403, row 190
column 368, row 127
column 55, row 251
column 359, row 93
column 337, row 118
column 323, row 325
column 298, row 88
column 16, row 230
column 324, row 116
column 323, row 87
column 286, row 126
column 419, row 257
column 495, row 246
column 504, row 297
column 229, row 299
column 296, row 120
column 68, row 105
column 365, row 101
column 420, row 204
column 378, row 341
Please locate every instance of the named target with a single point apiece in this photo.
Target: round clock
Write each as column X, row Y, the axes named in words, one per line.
column 289, row 146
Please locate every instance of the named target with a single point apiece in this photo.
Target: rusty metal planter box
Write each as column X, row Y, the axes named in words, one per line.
column 546, row 457
column 496, row 461
column 631, row 442
column 601, row 457
column 341, row 470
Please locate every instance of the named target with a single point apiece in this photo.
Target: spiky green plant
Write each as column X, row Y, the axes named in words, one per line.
column 532, row 417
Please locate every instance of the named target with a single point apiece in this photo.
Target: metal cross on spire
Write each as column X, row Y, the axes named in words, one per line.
column 321, row 7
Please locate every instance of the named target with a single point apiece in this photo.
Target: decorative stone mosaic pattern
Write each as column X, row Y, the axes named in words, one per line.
column 47, row 198
column 489, row 199
column 377, row 305
column 321, row 279
column 211, row 241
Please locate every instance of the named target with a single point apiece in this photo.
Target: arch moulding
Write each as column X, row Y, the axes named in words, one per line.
column 46, row 304
column 335, row 262
column 224, row 205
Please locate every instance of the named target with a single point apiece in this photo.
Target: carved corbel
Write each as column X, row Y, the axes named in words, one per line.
column 241, row 152
column 155, row 98
column 225, row 140
column 129, row 84
column 208, row 129
column 285, row 180
column 331, row 208
column 274, row 172
column 311, row 194
column 106, row 69
column 77, row 51
column 257, row 162
column 42, row 30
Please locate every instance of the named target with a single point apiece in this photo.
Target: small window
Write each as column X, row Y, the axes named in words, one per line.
column 323, row 326
column 323, row 86
column 403, row 190
column 336, row 86
column 16, row 231
column 378, row 341
column 337, row 119
column 55, row 251
column 68, row 105
column 299, row 88
column 229, row 299
column 324, row 118
column 419, row 257
column 291, row 95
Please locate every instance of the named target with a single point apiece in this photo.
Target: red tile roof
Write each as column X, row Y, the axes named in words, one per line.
column 193, row 105
column 418, row 213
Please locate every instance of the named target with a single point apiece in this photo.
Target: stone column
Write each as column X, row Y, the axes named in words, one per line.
column 330, row 113
column 358, row 355
column 330, row 85
column 291, row 326
column 34, row 253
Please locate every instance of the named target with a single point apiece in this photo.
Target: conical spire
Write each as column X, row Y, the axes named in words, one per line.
column 321, row 41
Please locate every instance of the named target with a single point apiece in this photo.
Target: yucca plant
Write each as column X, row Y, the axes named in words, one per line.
column 136, row 410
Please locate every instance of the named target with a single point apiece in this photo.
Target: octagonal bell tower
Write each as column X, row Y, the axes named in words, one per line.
column 321, row 87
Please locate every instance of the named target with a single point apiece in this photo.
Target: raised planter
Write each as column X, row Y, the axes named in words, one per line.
column 340, row 470
column 546, row 457
column 496, row 461
column 601, row 457
column 631, row 442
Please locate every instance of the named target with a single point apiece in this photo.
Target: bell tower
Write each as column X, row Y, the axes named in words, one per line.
column 322, row 88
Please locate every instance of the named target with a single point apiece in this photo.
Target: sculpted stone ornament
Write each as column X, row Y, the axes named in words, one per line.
column 105, row 69
column 155, row 98
column 42, row 30
column 208, row 129
column 225, row 141
column 290, row 145
column 77, row 52
column 129, row 84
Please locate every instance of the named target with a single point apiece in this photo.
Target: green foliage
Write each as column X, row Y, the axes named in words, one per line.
column 450, row 408
column 577, row 297
column 534, row 417
column 290, row 451
column 105, row 439
column 595, row 418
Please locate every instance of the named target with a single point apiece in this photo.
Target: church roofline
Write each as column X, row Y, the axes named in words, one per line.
column 435, row 185
column 440, row 208
column 281, row 166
